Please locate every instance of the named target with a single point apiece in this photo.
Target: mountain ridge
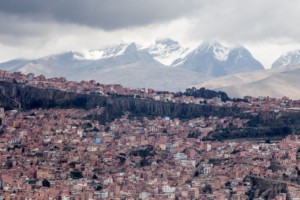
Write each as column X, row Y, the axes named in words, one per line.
column 216, row 60
column 130, row 66
column 133, row 65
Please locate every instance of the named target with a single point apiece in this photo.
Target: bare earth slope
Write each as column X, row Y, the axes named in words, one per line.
column 273, row 83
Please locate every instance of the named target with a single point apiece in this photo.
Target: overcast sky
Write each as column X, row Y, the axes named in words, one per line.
column 35, row 28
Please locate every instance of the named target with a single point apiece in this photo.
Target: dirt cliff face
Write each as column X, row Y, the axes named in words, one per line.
column 31, row 97
column 266, row 189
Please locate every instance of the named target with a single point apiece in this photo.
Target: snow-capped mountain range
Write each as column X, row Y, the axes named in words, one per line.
column 126, row 64
column 162, row 65
column 165, row 51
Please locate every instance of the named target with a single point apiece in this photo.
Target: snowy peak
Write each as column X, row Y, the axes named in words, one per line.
column 240, row 60
column 238, row 54
column 219, row 52
column 114, row 50
column 109, row 52
column 287, row 59
column 215, row 60
column 166, row 51
column 167, row 42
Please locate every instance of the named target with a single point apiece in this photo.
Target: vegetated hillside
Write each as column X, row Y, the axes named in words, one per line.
column 115, row 106
column 204, row 93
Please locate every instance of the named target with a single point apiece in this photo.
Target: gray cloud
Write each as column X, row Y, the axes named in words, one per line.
column 248, row 20
column 230, row 20
column 104, row 14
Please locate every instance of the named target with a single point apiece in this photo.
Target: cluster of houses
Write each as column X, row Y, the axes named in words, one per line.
column 61, row 154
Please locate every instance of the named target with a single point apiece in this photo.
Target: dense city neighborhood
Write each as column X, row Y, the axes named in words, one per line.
column 65, row 154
